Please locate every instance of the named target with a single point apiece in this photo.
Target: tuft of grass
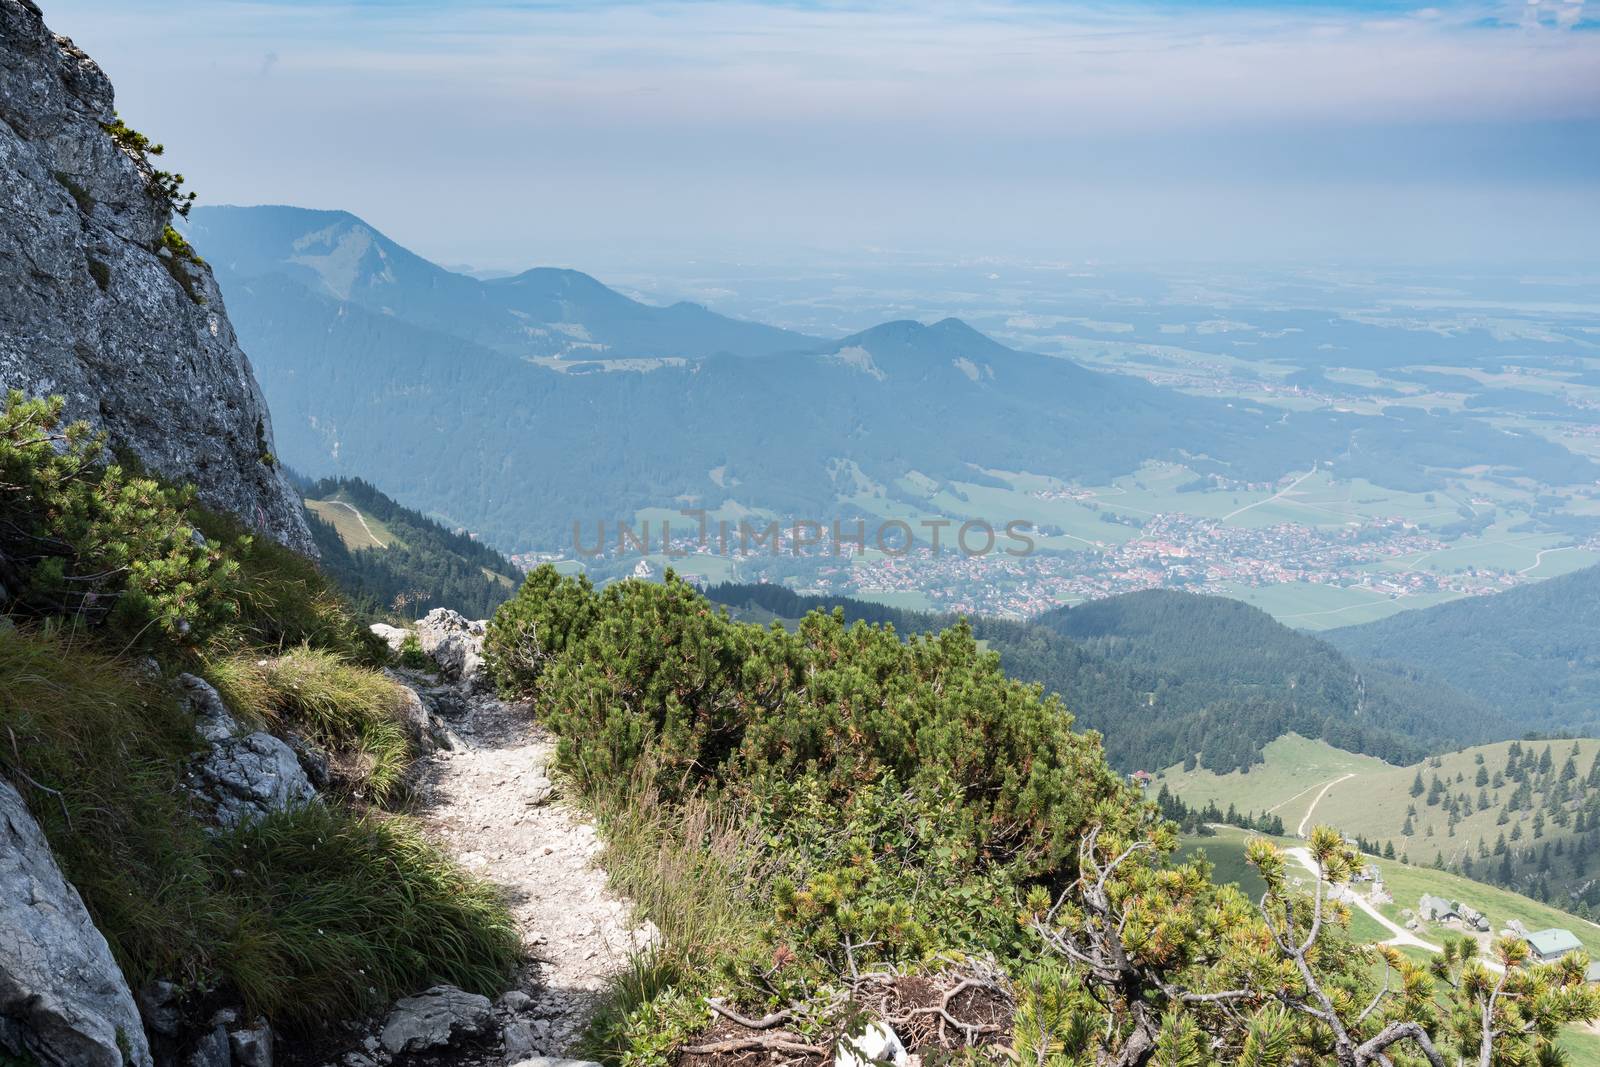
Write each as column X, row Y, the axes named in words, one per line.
column 348, row 911
column 303, row 916
column 97, row 752
column 284, row 601
column 687, row 866
column 354, row 712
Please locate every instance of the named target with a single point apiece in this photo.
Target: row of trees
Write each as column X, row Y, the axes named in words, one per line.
column 1192, row 820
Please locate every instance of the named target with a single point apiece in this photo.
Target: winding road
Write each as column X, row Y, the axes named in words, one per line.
column 1300, row 831
column 1400, row 935
column 1538, row 557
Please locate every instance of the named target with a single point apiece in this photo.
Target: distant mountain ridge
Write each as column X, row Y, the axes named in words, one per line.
column 470, row 400
column 540, row 312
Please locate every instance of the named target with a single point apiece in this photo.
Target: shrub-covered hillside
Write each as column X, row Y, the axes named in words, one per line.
column 833, row 821
column 390, row 559
column 1170, row 677
column 116, row 589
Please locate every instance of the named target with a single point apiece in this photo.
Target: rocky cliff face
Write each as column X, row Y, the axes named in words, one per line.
column 94, row 308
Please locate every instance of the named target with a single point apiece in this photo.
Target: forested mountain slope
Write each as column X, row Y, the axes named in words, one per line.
column 1171, row 677
column 1533, row 651
column 390, row 559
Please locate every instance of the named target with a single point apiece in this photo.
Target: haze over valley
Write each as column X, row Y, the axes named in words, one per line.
column 1333, row 446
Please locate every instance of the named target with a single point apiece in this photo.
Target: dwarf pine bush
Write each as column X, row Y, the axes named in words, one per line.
column 909, row 807
column 644, row 671
column 111, row 583
column 88, row 541
column 901, row 787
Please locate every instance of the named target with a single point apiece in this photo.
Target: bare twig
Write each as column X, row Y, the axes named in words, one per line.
column 17, row 770
column 766, row 1022
column 781, row 1042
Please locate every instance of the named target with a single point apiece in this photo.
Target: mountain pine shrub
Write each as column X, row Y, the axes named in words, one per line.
column 86, row 540
column 908, row 810
column 112, row 582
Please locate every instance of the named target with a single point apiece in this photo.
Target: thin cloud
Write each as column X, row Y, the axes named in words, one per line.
column 1448, row 127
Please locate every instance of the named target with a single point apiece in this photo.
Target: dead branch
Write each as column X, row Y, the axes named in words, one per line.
column 780, row 1042
column 766, row 1022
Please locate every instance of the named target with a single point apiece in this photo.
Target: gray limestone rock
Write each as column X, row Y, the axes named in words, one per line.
column 454, row 642
column 414, row 715
column 137, row 342
column 212, row 719
column 252, row 1045
column 252, row 775
column 434, row 1018
column 518, row 1039
column 393, row 636
column 63, row 999
column 159, row 1007
column 212, row 1050
column 245, row 775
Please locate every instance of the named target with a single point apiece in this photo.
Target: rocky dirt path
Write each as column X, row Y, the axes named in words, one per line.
column 490, row 802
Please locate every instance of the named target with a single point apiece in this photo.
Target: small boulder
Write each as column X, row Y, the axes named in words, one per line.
column 413, row 714
column 159, row 1007
column 212, row 1049
column 245, row 775
column 251, row 1045
column 454, row 642
column 433, row 1019
column 552, row 1061
column 251, row 776
column 393, row 636
column 212, row 719
column 517, row 1039
column 514, row 1000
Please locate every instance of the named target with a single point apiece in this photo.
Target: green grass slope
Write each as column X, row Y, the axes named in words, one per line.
column 355, row 527
column 1291, row 776
column 1523, row 815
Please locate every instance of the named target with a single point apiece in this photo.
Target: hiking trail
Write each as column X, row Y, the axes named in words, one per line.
column 489, row 802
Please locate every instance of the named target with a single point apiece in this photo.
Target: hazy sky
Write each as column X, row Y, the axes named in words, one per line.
column 512, row 132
